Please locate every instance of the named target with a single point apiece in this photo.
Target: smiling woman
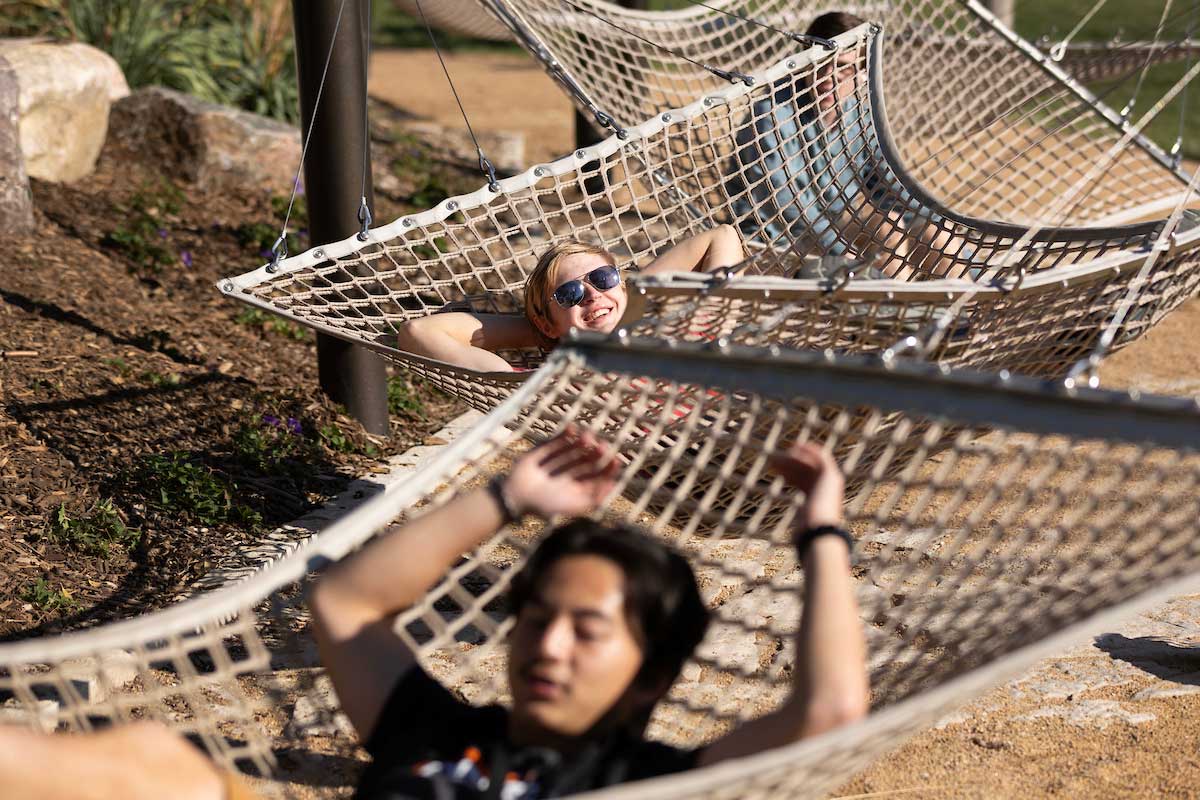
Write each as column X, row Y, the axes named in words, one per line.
column 574, row 285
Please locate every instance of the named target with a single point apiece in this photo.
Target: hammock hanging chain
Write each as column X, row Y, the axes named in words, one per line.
column 1060, row 49
column 1125, row 112
column 485, row 165
column 1177, row 148
column 279, row 250
column 730, row 75
column 364, row 210
column 1086, row 367
column 949, row 145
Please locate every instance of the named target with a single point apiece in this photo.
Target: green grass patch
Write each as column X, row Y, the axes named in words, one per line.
column 43, row 596
column 98, row 532
column 1133, row 22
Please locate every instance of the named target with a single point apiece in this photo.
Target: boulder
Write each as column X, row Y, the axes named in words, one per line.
column 505, row 149
column 203, row 143
column 65, row 92
column 16, row 205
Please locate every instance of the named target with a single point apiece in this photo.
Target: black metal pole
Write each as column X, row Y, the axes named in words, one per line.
column 333, row 178
column 586, row 131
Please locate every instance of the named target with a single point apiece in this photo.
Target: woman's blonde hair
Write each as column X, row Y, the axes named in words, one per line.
column 542, row 282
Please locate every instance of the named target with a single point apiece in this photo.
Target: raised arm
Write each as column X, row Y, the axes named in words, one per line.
column 355, row 603
column 465, row 339
column 829, row 680
column 717, row 247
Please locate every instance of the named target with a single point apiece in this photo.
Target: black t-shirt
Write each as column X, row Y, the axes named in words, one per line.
column 429, row 744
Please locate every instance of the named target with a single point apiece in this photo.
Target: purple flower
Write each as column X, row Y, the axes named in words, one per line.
column 293, row 425
column 265, row 254
column 162, row 233
column 186, row 258
column 270, row 419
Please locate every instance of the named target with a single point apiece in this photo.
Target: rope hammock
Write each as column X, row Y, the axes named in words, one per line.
column 464, row 17
column 719, row 160
column 1091, row 62
column 986, row 121
column 1087, row 62
column 1047, row 514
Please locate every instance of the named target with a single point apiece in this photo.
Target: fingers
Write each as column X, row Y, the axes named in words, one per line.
column 579, row 454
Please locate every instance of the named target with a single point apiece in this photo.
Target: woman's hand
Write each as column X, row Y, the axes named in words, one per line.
column 570, row 474
column 811, row 469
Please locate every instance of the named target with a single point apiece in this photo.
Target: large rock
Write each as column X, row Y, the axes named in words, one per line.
column 16, row 206
column 204, row 143
column 65, row 92
column 505, row 149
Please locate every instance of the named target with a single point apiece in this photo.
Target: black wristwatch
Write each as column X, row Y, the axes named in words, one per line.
column 805, row 537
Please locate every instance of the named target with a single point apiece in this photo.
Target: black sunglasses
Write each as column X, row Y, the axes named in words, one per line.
column 571, row 293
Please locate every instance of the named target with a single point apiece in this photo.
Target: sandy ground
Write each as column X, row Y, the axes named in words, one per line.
column 1115, row 717
column 499, row 92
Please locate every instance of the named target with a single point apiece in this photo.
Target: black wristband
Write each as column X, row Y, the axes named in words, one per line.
column 805, row 537
column 495, row 487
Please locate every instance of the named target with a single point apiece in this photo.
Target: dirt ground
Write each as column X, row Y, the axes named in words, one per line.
column 1020, row 740
column 500, row 91
column 148, row 426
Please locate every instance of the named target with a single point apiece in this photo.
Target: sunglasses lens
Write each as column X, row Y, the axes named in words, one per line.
column 569, row 294
column 604, row 278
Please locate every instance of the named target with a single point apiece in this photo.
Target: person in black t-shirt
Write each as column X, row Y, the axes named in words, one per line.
column 605, row 618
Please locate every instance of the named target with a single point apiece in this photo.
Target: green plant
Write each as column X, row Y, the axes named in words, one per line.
column 95, row 533
column 235, row 53
column 430, row 191
column 142, row 237
column 42, row 596
column 176, row 484
column 160, row 380
column 267, row 443
column 335, row 438
column 272, row 323
column 403, row 399
column 119, row 365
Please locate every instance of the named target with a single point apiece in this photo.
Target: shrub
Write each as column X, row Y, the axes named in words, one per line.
column 235, row 53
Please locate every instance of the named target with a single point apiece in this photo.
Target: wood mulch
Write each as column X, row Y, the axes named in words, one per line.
column 145, row 387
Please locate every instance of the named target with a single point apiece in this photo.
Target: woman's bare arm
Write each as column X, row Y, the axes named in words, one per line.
column 829, row 683
column 717, row 247
column 139, row 761
column 465, row 339
column 355, row 603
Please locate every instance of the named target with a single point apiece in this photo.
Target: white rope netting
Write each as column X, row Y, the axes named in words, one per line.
column 465, row 17
column 984, row 119
column 1090, row 62
column 731, row 158
column 994, row 518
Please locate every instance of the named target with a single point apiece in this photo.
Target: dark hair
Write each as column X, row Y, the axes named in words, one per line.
column 662, row 602
column 831, row 24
